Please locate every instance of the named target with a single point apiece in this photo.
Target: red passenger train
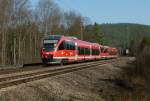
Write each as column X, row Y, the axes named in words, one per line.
column 65, row 49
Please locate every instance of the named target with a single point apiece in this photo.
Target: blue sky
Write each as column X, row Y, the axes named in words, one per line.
column 109, row 11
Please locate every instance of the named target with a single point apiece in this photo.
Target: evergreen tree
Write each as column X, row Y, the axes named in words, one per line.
column 98, row 35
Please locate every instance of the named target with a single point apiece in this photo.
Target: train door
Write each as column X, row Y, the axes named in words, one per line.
column 90, row 51
column 76, row 51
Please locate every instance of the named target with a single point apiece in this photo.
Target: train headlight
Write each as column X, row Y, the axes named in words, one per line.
column 47, row 53
column 62, row 53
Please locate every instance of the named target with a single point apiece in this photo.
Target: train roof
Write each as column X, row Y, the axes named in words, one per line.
column 71, row 37
column 75, row 39
column 80, row 41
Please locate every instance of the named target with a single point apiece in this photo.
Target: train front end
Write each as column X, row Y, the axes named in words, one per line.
column 49, row 45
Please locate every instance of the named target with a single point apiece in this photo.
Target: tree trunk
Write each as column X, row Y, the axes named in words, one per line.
column 14, row 51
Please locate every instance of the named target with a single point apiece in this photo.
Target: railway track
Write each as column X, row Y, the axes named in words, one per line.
column 17, row 77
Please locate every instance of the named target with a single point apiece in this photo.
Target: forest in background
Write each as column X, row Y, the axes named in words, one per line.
column 22, row 28
column 126, row 35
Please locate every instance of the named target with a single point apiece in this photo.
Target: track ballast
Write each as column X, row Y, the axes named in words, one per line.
column 15, row 78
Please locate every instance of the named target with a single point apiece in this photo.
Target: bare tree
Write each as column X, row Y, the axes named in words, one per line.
column 21, row 28
column 75, row 24
column 49, row 15
column 3, row 26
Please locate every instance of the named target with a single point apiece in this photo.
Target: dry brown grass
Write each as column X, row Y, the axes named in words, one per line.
column 137, row 75
column 139, row 72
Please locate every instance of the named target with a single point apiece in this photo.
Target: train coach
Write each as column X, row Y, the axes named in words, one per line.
column 65, row 49
column 108, row 52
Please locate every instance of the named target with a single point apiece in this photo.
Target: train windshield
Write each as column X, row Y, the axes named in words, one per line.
column 50, row 42
column 49, row 45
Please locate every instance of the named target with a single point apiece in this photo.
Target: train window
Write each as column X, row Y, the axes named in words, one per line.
column 62, row 46
column 67, row 45
column 95, row 52
column 87, row 51
column 83, row 51
column 70, row 45
column 79, row 51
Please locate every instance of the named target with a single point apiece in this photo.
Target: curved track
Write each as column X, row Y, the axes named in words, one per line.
column 19, row 77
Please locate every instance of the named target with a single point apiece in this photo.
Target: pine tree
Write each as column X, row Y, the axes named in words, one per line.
column 98, row 35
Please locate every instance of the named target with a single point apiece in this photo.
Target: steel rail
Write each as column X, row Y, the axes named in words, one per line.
column 23, row 78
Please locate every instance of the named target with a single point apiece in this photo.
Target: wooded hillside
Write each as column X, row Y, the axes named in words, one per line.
column 123, row 34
